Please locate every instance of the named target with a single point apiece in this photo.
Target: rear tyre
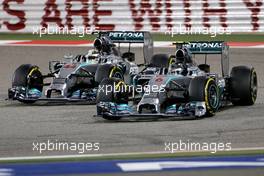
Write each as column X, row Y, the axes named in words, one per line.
column 243, row 86
column 205, row 90
column 112, row 90
column 161, row 60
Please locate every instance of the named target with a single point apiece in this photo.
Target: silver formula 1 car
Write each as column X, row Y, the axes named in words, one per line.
column 176, row 86
column 77, row 78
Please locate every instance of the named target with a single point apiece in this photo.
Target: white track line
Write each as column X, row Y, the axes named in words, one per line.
column 161, row 165
column 9, row 42
column 113, row 154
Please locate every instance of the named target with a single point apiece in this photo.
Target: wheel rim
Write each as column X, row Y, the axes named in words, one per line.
column 213, row 96
column 117, row 75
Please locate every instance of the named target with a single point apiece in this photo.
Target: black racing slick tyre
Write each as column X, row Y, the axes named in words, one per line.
column 243, row 85
column 161, row 60
column 108, row 71
column 112, row 90
column 28, row 75
column 205, row 89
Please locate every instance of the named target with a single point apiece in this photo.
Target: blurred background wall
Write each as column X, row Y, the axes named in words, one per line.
column 25, row 16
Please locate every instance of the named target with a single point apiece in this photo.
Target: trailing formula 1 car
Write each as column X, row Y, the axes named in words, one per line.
column 77, row 78
column 177, row 86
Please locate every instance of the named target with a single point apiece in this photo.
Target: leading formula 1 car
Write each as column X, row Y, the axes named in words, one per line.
column 77, row 78
column 177, row 86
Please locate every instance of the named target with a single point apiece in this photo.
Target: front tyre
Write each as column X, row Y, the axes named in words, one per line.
column 112, row 90
column 28, row 75
column 108, row 71
column 202, row 89
column 243, row 85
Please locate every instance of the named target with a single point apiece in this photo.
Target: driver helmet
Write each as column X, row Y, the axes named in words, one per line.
column 103, row 44
column 98, row 44
column 183, row 55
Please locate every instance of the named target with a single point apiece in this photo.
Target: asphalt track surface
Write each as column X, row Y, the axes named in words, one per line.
column 21, row 125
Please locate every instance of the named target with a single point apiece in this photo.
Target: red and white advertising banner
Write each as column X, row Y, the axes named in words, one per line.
column 148, row 15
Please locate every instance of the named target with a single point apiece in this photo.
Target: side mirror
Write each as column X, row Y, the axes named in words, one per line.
column 204, row 67
column 129, row 56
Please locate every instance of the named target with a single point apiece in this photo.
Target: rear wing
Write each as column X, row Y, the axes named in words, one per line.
column 209, row 47
column 124, row 37
column 131, row 37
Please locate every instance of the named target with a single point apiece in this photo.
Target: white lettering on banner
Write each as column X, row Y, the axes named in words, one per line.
column 126, row 34
column 206, row 45
column 156, row 15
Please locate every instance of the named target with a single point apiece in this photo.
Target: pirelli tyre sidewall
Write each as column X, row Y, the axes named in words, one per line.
column 243, row 85
column 204, row 89
column 29, row 76
column 211, row 97
column 112, row 90
column 108, row 71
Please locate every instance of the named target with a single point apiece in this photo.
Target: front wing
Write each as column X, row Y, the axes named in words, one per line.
column 26, row 97
column 192, row 109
